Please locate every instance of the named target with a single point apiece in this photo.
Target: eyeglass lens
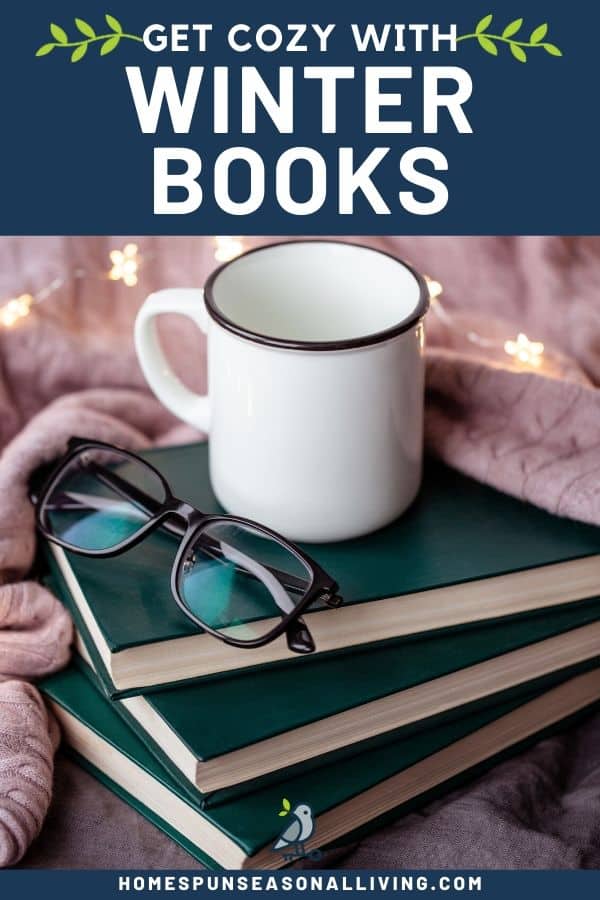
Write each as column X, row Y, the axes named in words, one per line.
column 238, row 580
column 90, row 506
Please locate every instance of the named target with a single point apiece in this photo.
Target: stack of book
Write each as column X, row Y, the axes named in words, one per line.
column 470, row 628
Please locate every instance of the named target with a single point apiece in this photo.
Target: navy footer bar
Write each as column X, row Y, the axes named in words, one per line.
column 493, row 885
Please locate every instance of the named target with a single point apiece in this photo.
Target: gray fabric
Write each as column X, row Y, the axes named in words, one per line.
column 88, row 827
column 538, row 810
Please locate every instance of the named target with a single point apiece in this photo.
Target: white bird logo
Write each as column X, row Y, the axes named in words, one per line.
column 299, row 828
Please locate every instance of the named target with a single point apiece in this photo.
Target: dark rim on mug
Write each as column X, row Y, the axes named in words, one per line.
column 376, row 337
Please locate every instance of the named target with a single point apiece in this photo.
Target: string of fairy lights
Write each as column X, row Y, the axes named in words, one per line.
column 524, row 352
column 124, row 264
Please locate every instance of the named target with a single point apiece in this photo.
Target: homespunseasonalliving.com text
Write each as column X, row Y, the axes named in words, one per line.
column 300, row 882
column 203, row 99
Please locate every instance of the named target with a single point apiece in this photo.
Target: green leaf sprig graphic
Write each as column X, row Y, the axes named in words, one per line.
column 286, row 806
column 489, row 42
column 110, row 41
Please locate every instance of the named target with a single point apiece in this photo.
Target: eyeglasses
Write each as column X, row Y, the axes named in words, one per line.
column 234, row 578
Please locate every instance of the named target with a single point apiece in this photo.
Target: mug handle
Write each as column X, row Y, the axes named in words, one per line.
column 186, row 404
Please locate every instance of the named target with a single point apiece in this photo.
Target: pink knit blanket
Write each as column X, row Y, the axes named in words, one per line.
column 69, row 368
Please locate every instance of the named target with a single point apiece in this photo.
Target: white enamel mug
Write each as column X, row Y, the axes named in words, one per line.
column 315, row 384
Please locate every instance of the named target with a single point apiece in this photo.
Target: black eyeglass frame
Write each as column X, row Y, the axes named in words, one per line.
column 322, row 586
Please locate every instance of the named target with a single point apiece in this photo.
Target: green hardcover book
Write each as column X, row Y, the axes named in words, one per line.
column 341, row 798
column 175, row 764
column 231, row 731
column 463, row 553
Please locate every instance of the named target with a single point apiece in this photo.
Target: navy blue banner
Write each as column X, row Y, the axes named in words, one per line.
column 491, row 885
column 307, row 118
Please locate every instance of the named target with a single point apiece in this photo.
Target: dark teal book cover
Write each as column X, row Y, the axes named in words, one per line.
column 251, row 821
column 457, row 531
column 216, row 716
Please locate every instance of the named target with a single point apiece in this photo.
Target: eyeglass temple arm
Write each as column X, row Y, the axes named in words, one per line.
column 299, row 638
column 152, row 506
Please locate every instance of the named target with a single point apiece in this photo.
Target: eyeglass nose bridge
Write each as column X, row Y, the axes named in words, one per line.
column 179, row 517
column 184, row 510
